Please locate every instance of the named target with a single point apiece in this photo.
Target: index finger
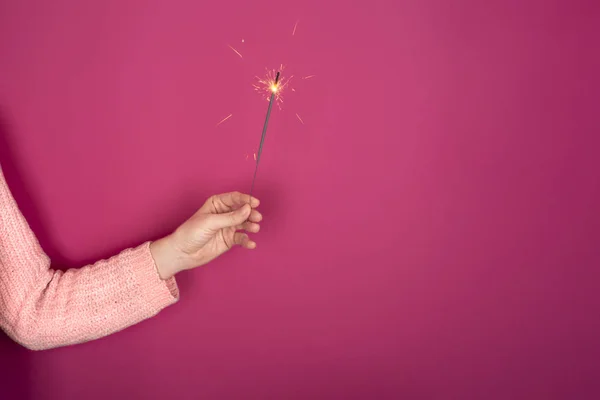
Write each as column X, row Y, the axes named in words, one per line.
column 237, row 199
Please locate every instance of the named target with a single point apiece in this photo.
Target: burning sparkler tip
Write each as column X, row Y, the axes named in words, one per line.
column 272, row 85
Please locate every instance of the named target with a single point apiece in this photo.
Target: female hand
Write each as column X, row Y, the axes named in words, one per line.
column 210, row 232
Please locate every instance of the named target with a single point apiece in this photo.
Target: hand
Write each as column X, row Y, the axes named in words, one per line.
column 210, row 232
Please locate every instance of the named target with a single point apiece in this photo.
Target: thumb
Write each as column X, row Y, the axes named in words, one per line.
column 230, row 219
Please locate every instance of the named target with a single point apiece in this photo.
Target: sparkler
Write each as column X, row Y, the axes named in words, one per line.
column 270, row 87
column 274, row 87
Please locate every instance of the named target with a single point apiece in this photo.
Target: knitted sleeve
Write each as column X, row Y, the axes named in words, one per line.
column 43, row 308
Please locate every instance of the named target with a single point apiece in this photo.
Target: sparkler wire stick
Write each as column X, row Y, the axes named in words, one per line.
column 264, row 131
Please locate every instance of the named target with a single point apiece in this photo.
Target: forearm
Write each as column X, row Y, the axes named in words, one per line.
column 43, row 308
column 63, row 308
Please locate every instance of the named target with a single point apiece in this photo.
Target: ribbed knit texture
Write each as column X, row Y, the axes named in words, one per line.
column 43, row 308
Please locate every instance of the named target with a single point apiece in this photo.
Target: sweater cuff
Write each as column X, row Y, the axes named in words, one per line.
column 156, row 293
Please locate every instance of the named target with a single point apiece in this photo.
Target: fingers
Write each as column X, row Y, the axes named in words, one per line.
column 249, row 227
column 241, row 239
column 234, row 200
column 229, row 219
column 255, row 216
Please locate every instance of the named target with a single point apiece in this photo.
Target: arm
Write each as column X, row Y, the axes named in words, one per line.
column 43, row 308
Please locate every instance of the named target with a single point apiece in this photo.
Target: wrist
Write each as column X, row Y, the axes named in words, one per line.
column 166, row 257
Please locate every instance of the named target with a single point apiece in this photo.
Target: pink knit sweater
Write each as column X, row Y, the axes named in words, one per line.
column 42, row 308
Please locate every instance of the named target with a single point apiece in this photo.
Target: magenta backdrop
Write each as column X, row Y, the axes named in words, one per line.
column 431, row 230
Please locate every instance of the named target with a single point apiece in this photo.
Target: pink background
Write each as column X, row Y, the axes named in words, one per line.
column 430, row 232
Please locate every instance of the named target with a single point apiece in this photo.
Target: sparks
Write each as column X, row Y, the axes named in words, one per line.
column 299, row 119
column 254, row 156
column 295, row 26
column 268, row 85
column 224, row 119
column 236, row 52
column 309, row 76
